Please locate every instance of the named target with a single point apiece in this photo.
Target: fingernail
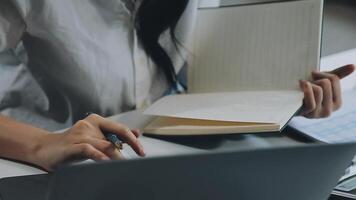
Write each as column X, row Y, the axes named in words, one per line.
column 302, row 83
column 143, row 154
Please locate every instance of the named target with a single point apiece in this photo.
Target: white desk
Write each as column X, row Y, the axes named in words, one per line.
column 171, row 146
column 9, row 168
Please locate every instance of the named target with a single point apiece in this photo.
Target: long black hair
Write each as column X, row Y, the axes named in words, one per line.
column 153, row 18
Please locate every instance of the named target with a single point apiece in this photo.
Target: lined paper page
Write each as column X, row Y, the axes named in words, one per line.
column 255, row 47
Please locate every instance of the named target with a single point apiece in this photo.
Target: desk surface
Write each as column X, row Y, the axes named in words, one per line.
column 164, row 146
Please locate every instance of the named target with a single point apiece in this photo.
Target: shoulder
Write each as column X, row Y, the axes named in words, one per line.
column 23, row 7
column 12, row 25
column 9, row 13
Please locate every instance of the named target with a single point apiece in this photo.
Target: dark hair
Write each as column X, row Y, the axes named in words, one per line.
column 153, row 18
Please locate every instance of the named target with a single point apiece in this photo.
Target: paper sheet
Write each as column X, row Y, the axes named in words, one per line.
column 254, row 106
column 340, row 127
column 255, row 47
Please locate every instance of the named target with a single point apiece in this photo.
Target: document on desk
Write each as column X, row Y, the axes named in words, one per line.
column 341, row 126
column 245, row 69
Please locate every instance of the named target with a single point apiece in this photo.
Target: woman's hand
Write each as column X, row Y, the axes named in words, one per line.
column 322, row 95
column 85, row 140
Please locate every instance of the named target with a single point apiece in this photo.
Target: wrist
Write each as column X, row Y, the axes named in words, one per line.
column 37, row 148
column 23, row 142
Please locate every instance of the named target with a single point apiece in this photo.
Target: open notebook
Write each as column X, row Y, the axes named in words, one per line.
column 244, row 71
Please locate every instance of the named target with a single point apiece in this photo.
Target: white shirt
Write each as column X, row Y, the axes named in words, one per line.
column 81, row 56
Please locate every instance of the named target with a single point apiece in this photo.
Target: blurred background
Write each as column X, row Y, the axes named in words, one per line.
column 339, row 30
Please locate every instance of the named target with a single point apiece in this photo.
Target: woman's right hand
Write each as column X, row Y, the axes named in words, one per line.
column 85, row 140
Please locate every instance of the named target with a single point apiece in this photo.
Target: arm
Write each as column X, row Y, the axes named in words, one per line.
column 84, row 140
column 19, row 141
column 37, row 146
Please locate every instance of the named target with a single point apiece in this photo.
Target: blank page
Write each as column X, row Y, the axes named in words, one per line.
column 255, row 106
column 255, row 47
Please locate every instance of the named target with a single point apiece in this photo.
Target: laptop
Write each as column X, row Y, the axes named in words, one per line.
column 294, row 173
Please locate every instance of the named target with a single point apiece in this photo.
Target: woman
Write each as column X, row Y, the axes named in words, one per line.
column 103, row 56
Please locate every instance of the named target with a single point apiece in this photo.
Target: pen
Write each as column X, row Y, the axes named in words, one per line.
column 114, row 139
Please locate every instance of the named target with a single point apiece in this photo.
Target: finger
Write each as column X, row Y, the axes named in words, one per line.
column 83, row 125
column 104, row 146
column 124, row 133
column 344, row 71
column 335, row 85
column 116, row 155
column 87, row 151
column 318, row 98
column 121, row 130
column 136, row 132
column 326, row 106
column 309, row 99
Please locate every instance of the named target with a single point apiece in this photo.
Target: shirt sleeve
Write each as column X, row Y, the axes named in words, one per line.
column 12, row 25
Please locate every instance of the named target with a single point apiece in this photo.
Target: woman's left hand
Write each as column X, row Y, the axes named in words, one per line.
column 322, row 95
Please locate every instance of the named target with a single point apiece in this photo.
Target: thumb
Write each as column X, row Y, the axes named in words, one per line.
column 344, row 71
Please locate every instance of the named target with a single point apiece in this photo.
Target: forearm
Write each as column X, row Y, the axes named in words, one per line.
column 19, row 141
column 84, row 140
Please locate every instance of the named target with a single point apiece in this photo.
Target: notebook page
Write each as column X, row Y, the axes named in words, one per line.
column 249, row 106
column 255, row 47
